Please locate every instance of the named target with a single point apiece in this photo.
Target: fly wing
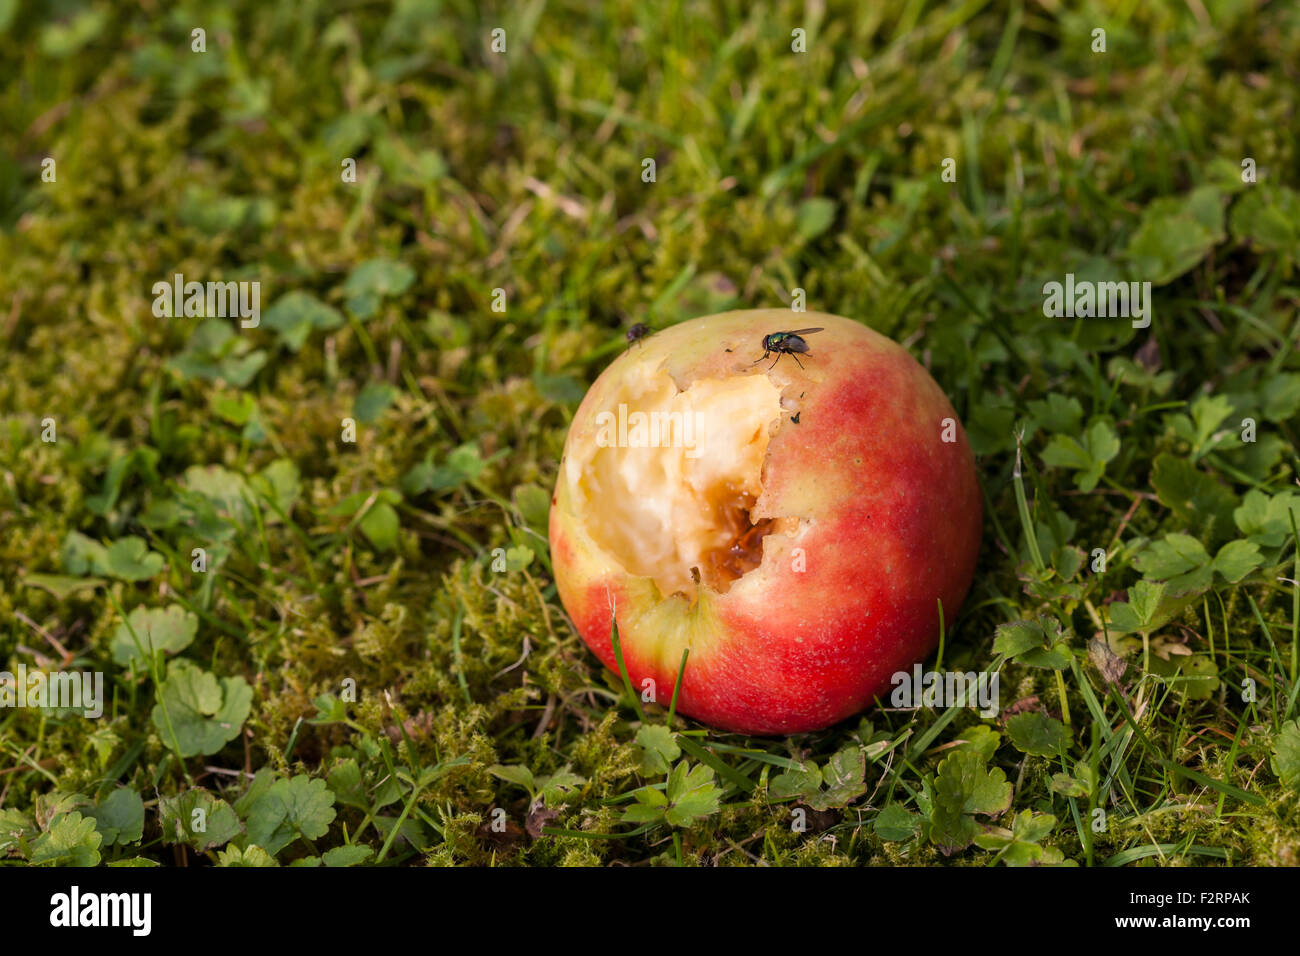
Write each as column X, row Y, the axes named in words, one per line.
column 806, row 331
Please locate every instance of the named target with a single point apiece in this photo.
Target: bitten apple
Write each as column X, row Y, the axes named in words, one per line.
column 795, row 521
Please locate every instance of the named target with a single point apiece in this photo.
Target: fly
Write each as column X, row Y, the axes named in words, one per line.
column 786, row 343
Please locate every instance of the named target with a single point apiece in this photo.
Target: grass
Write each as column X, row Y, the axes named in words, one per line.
column 373, row 659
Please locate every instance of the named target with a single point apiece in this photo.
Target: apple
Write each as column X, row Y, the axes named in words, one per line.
column 795, row 520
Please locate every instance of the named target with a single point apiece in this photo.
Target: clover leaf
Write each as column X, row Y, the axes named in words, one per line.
column 658, row 749
column 1035, row 733
column 1019, row 846
column 964, row 786
column 1286, row 755
column 119, row 817
column 199, row 819
column 128, row 559
column 895, row 823
column 71, row 840
column 295, row 315
column 1266, row 519
column 843, row 776
column 689, row 795
column 374, row 280
column 196, row 713
column 1089, row 458
column 301, row 806
column 146, row 630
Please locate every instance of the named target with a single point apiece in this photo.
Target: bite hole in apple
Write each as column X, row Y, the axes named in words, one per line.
column 674, row 479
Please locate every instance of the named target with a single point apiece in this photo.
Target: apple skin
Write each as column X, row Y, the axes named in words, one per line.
column 893, row 519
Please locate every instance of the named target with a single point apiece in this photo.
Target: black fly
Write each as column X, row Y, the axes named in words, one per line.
column 786, row 343
column 637, row 333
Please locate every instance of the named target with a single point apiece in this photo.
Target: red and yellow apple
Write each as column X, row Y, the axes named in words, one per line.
column 795, row 527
